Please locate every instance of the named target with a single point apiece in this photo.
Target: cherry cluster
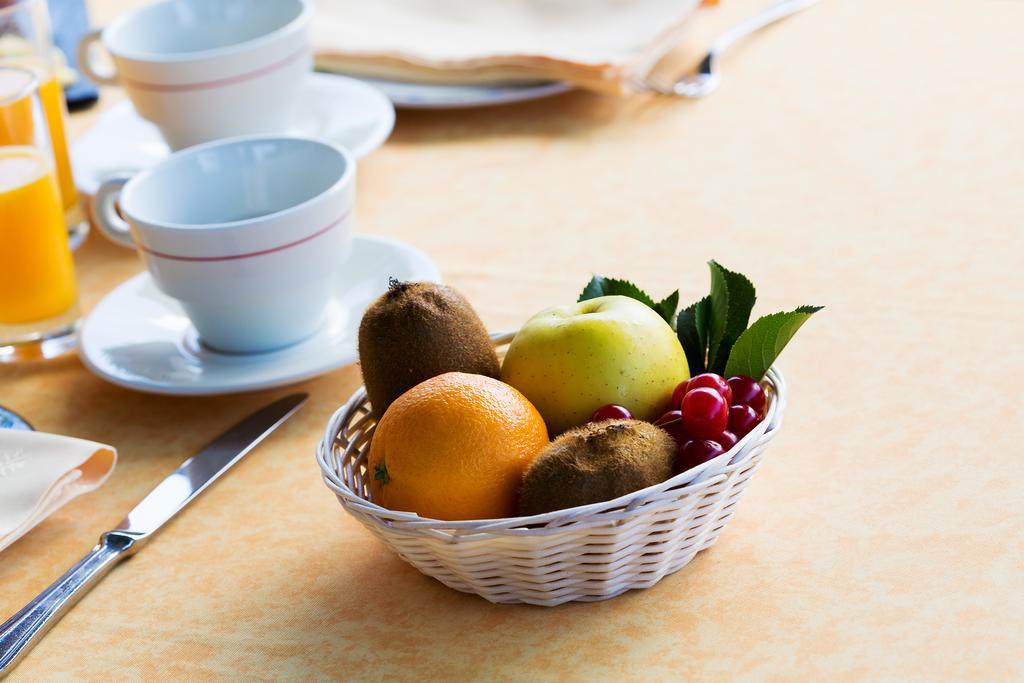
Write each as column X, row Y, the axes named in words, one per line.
column 708, row 416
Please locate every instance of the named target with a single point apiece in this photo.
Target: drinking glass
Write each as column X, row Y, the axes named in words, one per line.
column 26, row 39
column 38, row 295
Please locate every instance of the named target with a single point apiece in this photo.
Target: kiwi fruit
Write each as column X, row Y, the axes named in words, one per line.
column 415, row 331
column 596, row 462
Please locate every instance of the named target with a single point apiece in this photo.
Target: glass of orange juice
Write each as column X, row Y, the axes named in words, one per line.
column 38, row 295
column 26, row 39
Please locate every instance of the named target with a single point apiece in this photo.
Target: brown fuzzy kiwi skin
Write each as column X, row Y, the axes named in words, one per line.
column 415, row 331
column 597, row 462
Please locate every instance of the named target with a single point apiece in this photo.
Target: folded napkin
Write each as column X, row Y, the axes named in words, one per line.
column 40, row 472
column 596, row 44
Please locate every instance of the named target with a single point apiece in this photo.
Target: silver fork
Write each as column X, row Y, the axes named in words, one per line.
column 706, row 78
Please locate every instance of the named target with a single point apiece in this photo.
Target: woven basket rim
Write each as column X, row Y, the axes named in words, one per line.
column 703, row 476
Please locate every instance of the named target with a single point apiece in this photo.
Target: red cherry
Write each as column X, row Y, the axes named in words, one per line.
column 677, row 395
column 705, row 413
column 742, row 419
column 672, row 422
column 611, row 412
column 727, row 440
column 712, row 381
column 747, row 392
column 697, row 451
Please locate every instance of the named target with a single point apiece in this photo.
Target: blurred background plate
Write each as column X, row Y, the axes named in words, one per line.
column 11, row 420
column 407, row 95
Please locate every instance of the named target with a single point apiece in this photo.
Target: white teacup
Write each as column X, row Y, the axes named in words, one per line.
column 248, row 234
column 202, row 70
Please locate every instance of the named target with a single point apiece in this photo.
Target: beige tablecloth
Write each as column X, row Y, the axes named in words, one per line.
column 865, row 155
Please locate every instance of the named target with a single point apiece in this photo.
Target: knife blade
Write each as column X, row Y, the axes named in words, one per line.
column 203, row 468
column 19, row 633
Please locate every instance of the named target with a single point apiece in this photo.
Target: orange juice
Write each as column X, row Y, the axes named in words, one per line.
column 16, row 125
column 51, row 95
column 37, row 279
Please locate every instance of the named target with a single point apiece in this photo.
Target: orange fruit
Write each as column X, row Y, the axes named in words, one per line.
column 455, row 447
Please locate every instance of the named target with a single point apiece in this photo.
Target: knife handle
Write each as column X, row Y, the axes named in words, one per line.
column 19, row 633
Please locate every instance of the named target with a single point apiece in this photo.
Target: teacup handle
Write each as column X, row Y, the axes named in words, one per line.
column 104, row 212
column 77, row 234
column 98, row 75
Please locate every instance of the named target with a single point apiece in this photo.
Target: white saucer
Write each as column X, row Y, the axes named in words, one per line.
column 11, row 420
column 139, row 338
column 407, row 95
column 343, row 110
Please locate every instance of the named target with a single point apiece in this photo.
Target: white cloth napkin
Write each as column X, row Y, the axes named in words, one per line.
column 596, row 44
column 40, row 472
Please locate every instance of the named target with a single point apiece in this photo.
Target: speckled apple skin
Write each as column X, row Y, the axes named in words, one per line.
column 571, row 360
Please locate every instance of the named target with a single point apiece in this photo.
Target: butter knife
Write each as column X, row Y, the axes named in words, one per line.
column 19, row 633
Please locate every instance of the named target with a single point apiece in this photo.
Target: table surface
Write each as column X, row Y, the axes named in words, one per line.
column 863, row 155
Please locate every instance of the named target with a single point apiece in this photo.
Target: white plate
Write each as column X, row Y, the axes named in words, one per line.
column 11, row 420
column 139, row 338
column 343, row 110
column 406, row 95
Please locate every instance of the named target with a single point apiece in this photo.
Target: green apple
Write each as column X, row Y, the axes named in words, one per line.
column 571, row 360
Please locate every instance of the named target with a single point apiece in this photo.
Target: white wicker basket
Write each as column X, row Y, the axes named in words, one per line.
column 592, row 552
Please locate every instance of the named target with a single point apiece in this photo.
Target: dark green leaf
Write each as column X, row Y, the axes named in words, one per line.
column 608, row 286
column 741, row 301
column 702, row 316
column 691, row 328
column 718, row 311
column 594, row 289
column 667, row 307
column 758, row 347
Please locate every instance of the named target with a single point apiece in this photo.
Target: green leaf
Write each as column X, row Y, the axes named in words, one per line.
column 380, row 473
column 718, row 311
column 594, row 289
column 702, row 315
column 691, row 328
column 741, row 297
column 606, row 286
column 758, row 347
column 667, row 307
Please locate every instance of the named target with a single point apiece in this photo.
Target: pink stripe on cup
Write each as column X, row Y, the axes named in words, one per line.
column 206, row 85
column 251, row 254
